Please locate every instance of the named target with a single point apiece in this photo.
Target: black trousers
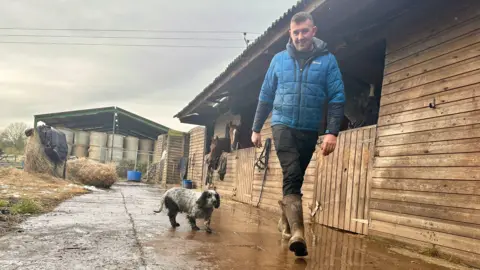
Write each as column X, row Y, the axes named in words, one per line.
column 294, row 150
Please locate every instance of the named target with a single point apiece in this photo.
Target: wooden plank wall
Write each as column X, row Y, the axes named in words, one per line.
column 426, row 182
column 272, row 191
column 186, row 148
column 160, row 145
column 175, row 150
column 196, row 155
column 245, row 171
column 227, row 186
column 343, row 183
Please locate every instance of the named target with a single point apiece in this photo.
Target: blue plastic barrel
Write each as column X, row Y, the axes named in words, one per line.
column 187, row 184
column 134, row 176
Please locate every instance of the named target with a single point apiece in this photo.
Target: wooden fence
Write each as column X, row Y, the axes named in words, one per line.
column 227, row 186
column 196, row 156
column 336, row 188
column 341, row 196
column 245, row 171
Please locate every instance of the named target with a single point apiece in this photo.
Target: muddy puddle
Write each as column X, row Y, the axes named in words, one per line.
column 246, row 238
column 118, row 230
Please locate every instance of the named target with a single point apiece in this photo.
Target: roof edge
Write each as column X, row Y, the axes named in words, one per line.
column 75, row 112
column 143, row 119
column 112, row 109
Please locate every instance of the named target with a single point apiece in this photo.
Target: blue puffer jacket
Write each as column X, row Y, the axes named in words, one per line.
column 298, row 95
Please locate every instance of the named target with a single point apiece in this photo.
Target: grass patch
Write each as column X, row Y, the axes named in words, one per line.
column 3, row 203
column 26, row 206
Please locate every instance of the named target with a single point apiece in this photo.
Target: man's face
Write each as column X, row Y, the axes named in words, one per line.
column 302, row 35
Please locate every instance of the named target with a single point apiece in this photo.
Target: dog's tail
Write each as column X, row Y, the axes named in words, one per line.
column 162, row 202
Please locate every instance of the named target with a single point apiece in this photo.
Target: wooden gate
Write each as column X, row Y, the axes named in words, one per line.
column 342, row 189
column 245, row 170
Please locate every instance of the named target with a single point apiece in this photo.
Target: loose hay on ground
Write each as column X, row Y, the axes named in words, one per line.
column 92, row 173
column 41, row 188
column 29, row 193
column 36, row 161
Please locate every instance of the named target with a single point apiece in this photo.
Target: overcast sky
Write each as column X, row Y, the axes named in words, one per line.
column 154, row 82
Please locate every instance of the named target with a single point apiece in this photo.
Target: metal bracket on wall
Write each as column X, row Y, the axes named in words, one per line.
column 432, row 104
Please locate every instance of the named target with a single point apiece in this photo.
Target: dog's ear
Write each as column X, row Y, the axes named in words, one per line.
column 202, row 201
column 217, row 197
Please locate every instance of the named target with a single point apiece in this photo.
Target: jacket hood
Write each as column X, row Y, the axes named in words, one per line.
column 320, row 47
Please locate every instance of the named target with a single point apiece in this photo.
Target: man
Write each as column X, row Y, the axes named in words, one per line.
column 301, row 84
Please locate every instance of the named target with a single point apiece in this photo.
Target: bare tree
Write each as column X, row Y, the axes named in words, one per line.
column 14, row 136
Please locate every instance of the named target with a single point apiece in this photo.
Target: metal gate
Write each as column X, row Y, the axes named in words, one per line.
column 342, row 190
column 245, row 171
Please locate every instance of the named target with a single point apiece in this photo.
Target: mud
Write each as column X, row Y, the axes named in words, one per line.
column 118, row 230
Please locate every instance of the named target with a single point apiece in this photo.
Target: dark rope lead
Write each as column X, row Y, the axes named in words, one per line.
column 262, row 165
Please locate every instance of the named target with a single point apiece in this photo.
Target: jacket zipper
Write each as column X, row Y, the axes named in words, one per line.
column 299, row 91
column 295, row 77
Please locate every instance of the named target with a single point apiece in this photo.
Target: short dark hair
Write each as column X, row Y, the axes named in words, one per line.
column 301, row 17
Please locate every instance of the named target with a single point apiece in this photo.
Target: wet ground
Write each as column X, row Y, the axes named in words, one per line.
column 118, row 230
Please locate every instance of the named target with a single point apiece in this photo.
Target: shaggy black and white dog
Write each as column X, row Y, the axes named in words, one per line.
column 194, row 204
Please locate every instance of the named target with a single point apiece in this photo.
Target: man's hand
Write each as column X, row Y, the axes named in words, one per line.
column 256, row 139
column 328, row 145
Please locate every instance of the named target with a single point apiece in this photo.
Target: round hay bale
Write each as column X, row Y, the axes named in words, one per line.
column 36, row 161
column 92, row 173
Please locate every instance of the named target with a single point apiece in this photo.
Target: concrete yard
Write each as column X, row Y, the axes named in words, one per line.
column 117, row 229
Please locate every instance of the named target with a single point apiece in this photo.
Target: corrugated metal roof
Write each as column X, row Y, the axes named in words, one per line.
column 286, row 16
column 101, row 119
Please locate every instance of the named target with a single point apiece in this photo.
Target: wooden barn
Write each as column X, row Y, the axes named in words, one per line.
column 196, row 156
column 176, row 147
column 412, row 172
column 169, row 149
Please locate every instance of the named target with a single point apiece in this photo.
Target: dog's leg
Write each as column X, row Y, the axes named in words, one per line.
column 172, row 215
column 207, row 225
column 193, row 223
column 173, row 209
